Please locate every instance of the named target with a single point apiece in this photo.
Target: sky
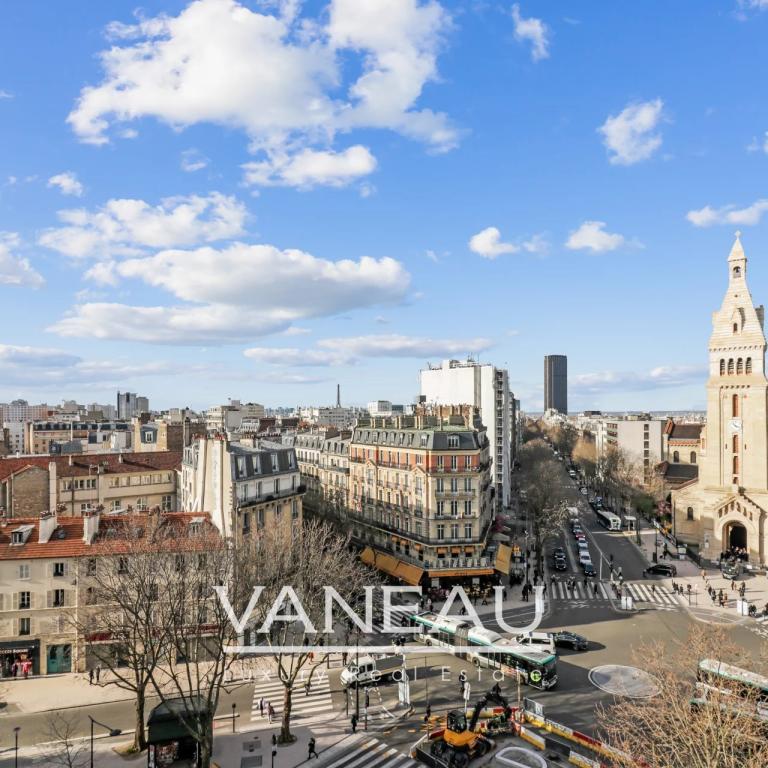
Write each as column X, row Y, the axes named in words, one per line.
column 259, row 200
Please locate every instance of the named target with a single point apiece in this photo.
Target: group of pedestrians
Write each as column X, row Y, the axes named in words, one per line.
column 266, row 706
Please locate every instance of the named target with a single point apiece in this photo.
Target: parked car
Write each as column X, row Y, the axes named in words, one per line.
column 731, row 569
column 566, row 639
column 582, row 545
column 584, row 559
column 589, row 570
column 660, row 569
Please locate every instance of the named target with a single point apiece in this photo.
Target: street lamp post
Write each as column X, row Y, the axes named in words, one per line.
column 234, row 708
column 16, row 746
column 111, row 731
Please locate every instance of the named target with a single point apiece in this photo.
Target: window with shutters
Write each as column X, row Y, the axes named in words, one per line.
column 59, row 569
column 58, row 598
column 90, row 566
column 167, row 503
column 122, row 565
column 25, row 626
column 25, row 601
column 24, row 572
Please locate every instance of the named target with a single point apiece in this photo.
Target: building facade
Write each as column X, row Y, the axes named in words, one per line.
column 75, row 485
column 726, row 508
column 420, row 498
column 639, row 437
column 21, row 410
column 487, row 388
column 556, row 383
column 245, row 486
column 45, row 562
column 89, row 436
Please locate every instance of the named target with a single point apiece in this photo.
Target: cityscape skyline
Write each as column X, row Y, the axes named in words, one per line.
column 126, row 240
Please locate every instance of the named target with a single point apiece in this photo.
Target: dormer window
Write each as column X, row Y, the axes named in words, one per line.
column 453, row 441
column 17, row 537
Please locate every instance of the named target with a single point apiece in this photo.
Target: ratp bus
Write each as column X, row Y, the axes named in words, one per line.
column 608, row 520
column 535, row 668
column 748, row 684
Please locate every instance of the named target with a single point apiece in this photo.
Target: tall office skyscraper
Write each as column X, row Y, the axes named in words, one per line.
column 556, row 383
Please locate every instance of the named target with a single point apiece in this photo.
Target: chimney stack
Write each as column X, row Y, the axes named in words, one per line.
column 46, row 527
column 90, row 525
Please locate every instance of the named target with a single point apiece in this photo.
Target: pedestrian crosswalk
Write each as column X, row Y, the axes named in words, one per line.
column 596, row 591
column 360, row 750
column 306, row 707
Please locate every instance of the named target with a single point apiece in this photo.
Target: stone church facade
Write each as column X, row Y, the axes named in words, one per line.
column 727, row 506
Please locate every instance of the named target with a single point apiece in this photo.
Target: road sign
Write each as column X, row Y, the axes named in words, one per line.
column 534, row 707
column 465, row 692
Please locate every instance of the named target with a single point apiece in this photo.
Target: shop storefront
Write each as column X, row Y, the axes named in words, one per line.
column 20, row 659
column 59, row 658
column 169, row 741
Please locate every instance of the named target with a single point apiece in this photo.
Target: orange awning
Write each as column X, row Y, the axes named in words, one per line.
column 410, row 574
column 434, row 573
column 503, row 558
column 455, row 551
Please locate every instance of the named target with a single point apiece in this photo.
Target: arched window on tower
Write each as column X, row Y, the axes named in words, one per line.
column 722, row 367
column 676, row 457
column 693, row 457
column 735, row 405
column 735, row 443
column 735, row 469
column 737, row 271
column 749, row 365
column 735, row 327
column 730, row 367
column 739, row 366
column 689, row 513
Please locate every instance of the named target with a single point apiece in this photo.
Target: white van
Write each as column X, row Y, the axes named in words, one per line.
column 370, row 670
column 537, row 641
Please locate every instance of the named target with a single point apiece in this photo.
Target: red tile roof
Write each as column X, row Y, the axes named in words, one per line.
column 71, row 544
column 82, row 464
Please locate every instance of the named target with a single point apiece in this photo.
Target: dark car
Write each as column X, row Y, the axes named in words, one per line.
column 567, row 639
column 731, row 569
column 560, row 564
column 660, row 569
column 559, row 552
column 577, row 530
column 589, row 570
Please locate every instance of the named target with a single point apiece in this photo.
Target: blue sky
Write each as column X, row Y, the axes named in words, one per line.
column 261, row 199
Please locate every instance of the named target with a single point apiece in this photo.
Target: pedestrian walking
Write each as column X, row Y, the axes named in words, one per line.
column 270, row 711
column 311, row 751
column 90, row 677
column 653, row 590
column 307, row 686
column 261, row 707
column 544, row 590
column 703, row 574
column 98, row 672
column 504, row 594
column 733, row 584
column 353, row 722
column 594, row 587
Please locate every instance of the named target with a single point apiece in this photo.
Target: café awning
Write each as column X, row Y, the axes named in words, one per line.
column 503, row 558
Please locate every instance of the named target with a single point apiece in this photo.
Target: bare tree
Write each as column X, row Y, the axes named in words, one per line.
column 585, row 455
column 541, row 477
column 308, row 559
column 564, row 437
column 192, row 635
column 122, row 584
column 689, row 724
column 62, row 747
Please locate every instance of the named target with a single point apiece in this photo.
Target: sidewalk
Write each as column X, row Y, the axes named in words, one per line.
column 689, row 572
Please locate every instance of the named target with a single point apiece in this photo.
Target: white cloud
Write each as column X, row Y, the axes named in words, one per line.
column 759, row 5
column 347, row 351
column 5, row 94
column 15, row 270
column 215, row 324
column 125, row 227
column 193, row 160
column 488, row 244
column 533, row 31
column 656, row 378
column 310, row 168
column 39, row 367
column 67, row 183
column 432, row 256
column 759, row 145
column 591, row 235
column 630, row 136
column 289, row 82
column 728, row 214
column 235, row 293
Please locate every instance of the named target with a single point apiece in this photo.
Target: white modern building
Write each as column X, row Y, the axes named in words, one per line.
column 486, row 387
column 229, row 418
column 640, row 437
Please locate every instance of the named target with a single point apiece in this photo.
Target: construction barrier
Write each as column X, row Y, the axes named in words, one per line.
column 532, row 737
